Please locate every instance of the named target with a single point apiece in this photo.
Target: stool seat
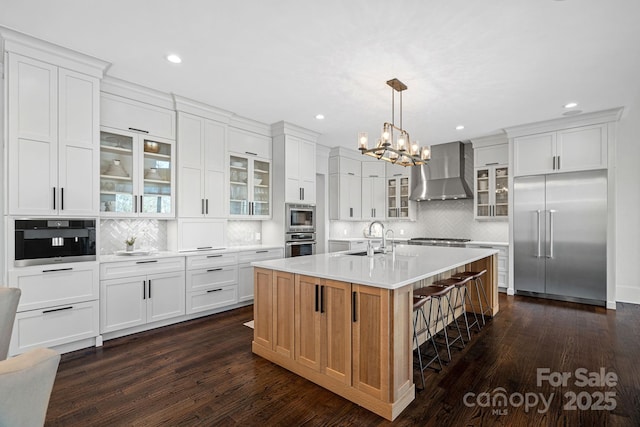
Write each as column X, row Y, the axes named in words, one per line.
column 419, row 302
column 471, row 275
column 455, row 281
column 433, row 291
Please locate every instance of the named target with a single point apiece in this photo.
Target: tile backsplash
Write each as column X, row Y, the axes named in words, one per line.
column 150, row 234
column 244, row 233
column 450, row 218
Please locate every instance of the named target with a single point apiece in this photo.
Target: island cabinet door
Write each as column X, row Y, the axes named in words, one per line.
column 307, row 321
column 263, row 307
column 283, row 313
column 335, row 312
column 371, row 341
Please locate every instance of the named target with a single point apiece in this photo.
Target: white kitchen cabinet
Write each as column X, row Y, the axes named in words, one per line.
column 300, row 170
column 134, row 293
column 53, row 132
column 201, row 175
column 58, row 304
column 568, row 150
column 137, row 175
column 245, row 270
column 491, row 199
column 345, row 197
column 127, row 114
column 196, row 234
column 211, row 281
column 249, row 187
column 398, row 204
column 373, row 190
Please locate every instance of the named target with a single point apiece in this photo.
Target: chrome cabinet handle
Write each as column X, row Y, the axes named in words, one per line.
column 538, row 213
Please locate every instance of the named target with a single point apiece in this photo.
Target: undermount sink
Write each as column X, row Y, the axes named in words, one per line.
column 364, row 253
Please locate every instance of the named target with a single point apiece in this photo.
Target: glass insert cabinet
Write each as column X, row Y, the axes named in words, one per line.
column 398, row 197
column 249, row 187
column 137, row 176
column 492, row 192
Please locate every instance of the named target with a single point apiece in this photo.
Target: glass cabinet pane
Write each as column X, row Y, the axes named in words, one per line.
column 482, row 192
column 261, row 188
column 404, row 197
column 116, row 173
column 502, row 191
column 238, row 186
column 156, row 197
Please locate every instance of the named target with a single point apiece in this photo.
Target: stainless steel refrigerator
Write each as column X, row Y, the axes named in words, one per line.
column 560, row 236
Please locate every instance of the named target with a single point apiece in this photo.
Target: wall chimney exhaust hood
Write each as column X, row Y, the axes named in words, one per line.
column 443, row 177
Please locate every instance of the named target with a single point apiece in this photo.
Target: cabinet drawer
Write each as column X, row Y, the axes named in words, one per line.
column 126, row 114
column 502, row 263
column 52, row 285
column 212, row 298
column 260, row 255
column 211, row 260
column 213, row 277
column 116, row 270
column 55, row 326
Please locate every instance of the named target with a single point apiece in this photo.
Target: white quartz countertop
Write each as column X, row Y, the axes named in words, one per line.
column 138, row 256
column 408, row 265
column 479, row 242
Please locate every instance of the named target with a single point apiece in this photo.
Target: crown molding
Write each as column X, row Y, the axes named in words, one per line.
column 186, row 105
column 286, row 128
column 136, row 92
column 250, row 125
column 489, row 140
column 597, row 117
column 24, row 44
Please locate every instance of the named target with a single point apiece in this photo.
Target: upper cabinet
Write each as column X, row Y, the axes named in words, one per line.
column 567, row 150
column 202, row 166
column 398, row 188
column 53, row 114
column 137, row 176
column 300, row 170
column 373, row 190
column 249, row 175
column 491, row 173
column 122, row 113
column 345, row 187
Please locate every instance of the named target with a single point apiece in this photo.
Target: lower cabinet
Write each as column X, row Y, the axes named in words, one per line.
column 141, row 296
column 58, row 305
column 211, row 281
column 503, row 262
column 354, row 340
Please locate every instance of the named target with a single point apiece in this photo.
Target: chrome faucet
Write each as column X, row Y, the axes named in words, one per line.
column 383, row 247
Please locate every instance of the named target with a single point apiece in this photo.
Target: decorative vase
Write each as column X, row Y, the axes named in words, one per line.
column 130, row 248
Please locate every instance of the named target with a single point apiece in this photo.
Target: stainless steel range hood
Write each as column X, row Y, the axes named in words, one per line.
column 443, row 177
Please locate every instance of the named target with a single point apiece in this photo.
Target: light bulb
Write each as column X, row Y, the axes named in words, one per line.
column 362, row 140
column 426, row 153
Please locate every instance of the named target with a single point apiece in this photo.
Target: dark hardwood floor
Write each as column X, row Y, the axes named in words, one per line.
column 202, row 372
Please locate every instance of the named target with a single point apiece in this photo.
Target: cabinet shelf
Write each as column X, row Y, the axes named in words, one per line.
column 240, row 168
column 244, row 184
column 260, row 171
column 157, row 181
column 115, row 150
column 158, row 156
column 119, row 178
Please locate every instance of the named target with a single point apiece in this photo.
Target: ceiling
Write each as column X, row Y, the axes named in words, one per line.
column 484, row 64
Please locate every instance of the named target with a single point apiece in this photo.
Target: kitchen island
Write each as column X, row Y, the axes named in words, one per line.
column 344, row 321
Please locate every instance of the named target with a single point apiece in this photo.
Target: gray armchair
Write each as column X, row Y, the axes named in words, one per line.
column 9, row 298
column 25, row 387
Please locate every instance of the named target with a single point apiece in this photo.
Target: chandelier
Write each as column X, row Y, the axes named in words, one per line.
column 394, row 145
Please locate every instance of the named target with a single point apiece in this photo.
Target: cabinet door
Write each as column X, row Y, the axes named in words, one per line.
column 500, row 187
column 123, row 303
column 307, row 321
column 367, row 198
column 263, row 308
column 126, row 114
column 165, row 296
column 157, row 178
column 283, row 313
column 582, row 148
column 534, row 155
column 33, row 136
column 307, row 166
column 77, row 145
column 484, row 198
column 191, row 166
column 245, row 283
column 351, row 197
column 260, row 186
column 238, row 186
column 215, row 164
column 370, row 339
column 335, row 310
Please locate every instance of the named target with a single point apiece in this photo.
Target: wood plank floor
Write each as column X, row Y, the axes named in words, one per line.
column 202, row 372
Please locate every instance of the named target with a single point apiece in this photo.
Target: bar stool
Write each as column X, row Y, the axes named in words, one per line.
column 460, row 285
column 476, row 276
column 418, row 311
column 438, row 293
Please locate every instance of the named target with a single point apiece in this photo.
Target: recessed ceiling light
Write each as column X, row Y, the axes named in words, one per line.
column 174, row 58
column 320, row 116
column 459, row 127
column 571, row 105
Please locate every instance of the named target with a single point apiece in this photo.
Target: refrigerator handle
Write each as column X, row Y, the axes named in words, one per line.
column 551, row 212
column 538, row 213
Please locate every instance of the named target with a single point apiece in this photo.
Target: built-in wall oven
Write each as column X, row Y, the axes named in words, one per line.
column 50, row 241
column 300, row 244
column 300, row 218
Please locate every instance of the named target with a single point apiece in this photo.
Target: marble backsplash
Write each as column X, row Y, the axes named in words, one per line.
column 150, row 234
column 449, row 218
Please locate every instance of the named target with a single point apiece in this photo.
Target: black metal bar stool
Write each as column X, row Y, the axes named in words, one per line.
column 438, row 293
column 476, row 276
column 418, row 311
column 460, row 287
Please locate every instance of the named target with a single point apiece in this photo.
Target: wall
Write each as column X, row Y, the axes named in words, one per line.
column 450, row 218
column 627, row 215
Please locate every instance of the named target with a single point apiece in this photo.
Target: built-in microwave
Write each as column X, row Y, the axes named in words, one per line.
column 300, row 218
column 50, row 241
